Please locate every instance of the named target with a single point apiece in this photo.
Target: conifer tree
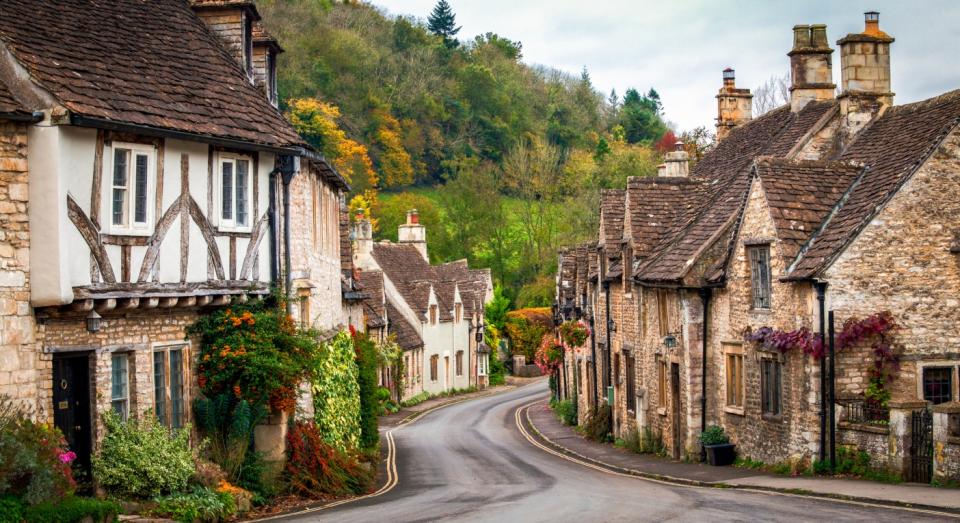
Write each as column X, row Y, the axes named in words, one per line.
column 443, row 23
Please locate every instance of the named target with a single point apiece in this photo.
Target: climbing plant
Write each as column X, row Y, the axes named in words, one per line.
column 877, row 328
column 336, row 393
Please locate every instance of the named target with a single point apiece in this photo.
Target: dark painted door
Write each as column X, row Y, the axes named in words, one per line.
column 675, row 407
column 71, row 407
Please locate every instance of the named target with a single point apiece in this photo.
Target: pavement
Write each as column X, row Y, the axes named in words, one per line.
column 477, row 460
column 545, row 424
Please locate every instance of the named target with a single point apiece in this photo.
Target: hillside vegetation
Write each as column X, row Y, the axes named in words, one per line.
column 503, row 160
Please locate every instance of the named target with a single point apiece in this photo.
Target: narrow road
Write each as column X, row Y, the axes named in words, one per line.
column 469, row 462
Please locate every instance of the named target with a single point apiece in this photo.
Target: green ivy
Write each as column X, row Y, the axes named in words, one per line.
column 70, row 510
column 336, row 393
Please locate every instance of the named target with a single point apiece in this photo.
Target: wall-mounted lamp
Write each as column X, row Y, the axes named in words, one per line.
column 94, row 322
column 670, row 341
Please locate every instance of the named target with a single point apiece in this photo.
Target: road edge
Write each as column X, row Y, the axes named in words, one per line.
column 555, row 448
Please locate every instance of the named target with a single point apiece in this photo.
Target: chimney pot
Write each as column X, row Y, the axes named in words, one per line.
column 818, row 36
column 734, row 106
column 678, row 146
column 871, row 24
column 801, row 37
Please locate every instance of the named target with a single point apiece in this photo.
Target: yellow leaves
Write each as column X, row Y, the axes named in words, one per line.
column 365, row 202
column 395, row 161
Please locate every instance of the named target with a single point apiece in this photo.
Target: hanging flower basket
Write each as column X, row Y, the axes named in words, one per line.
column 574, row 333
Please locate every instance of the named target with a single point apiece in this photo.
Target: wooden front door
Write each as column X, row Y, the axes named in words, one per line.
column 71, row 407
column 675, row 408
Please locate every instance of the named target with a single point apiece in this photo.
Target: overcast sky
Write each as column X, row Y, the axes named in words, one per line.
column 680, row 47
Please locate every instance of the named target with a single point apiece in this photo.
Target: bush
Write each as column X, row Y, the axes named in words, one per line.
column 34, row 460
column 71, row 510
column 416, row 400
column 314, row 468
column 525, row 329
column 141, row 458
column 714, row 435
column 203, row 504
column 227, row 423
column 336, row 393
column 367, row 363
column 566, row 411
column 598, row 423
column 649, row 442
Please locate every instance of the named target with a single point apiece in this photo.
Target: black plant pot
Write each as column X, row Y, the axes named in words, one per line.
column 721, row 455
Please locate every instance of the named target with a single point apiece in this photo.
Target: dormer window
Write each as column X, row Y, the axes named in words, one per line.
column 132, row 174
column 272, row 77
column 234, row 192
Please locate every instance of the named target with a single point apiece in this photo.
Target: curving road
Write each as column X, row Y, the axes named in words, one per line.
column 469, row 462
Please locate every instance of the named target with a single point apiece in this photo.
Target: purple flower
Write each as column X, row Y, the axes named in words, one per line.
column 67, row 457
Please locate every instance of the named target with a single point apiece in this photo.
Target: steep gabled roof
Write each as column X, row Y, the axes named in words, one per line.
column 893, row 148
column 407, row 336
column 658, row 208
column 373, row 303
column 725, row 173
column 149, row 64
column 800, row 195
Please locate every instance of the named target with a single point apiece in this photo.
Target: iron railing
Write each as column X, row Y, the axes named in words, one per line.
column 861, row 411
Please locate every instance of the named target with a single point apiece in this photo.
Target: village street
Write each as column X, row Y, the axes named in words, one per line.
column 470, row 462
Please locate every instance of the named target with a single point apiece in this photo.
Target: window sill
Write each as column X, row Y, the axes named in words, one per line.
column 118, row 231
column 734, row 410
column 234, row 230
column 773, row 418
column 763, row 312
column 662, row 411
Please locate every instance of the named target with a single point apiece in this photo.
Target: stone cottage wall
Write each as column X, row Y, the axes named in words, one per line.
column 21, row 365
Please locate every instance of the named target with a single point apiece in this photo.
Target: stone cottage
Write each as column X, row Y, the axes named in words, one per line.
column 829, row 204
column 139, row 186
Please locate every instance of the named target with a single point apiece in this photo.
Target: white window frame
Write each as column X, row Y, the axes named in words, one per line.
column 125, row 398
column 922, row 365
column 130, row 227
column 230, row 224
column 185, row 377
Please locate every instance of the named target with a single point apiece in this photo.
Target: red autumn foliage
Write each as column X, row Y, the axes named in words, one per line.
column 317, row 470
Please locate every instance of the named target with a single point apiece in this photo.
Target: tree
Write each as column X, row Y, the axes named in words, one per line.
column 443, row 23
column 640, row 117
column 771, row 94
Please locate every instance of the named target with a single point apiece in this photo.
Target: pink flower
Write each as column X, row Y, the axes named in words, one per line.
column 67, row 457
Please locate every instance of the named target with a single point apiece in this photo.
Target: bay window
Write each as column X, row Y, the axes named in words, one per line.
column 131, row 176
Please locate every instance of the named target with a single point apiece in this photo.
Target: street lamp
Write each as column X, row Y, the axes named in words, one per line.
column 94, row 322
column 479, row 334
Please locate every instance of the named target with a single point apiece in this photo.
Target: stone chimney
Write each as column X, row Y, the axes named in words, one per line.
column 734, row 106
column 811, row 66
column 362, row 240
column 662, row 170
column 232, row 21
column 414, row 233
column 865, row 75
column 677, row 162
column 265, row 51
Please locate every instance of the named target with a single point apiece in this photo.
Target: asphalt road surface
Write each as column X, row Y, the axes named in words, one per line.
column 469, row 462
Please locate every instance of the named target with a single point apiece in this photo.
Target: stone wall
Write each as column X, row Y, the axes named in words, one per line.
column 21, row 366
column 795, row 433
column 902, row 262
column 872, row 439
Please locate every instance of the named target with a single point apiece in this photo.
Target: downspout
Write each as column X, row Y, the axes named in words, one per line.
column 289, row 165
column 274, row 228
column 593, row 355
column 833, row 403
column 705, row 304
column 608, row 375
column 821, row 288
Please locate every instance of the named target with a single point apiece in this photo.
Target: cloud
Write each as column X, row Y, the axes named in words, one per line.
column 680, row 48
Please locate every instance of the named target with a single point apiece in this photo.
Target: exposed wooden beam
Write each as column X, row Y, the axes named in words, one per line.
column 128, row 303
column 149, row 303
column 169, row 302
column 106, row 305
column 187, row 301
column 82, row 306
column 203, row 301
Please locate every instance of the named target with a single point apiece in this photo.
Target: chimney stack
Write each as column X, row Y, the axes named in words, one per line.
column 734, row 106
column 265, row 51
column 811, row 66
column 865, row 75
column 414, row 233
column 677, row 162
column 362, row 239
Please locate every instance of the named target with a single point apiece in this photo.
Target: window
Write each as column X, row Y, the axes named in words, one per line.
column 168, row 385
column 120, row 384
column 770, row 386
column 234, row 192
column 938, row 384
column 131, row 178
column 433, row 315
column 663, row 315
column 459, row 363
column 305, row 312
column 734, row 378
column 458, row 312
column 434, row 363
column 272, row 76
column 248, row 44
column 481, row 365
column 631, row 362
column 760, row 276
column 661, row 381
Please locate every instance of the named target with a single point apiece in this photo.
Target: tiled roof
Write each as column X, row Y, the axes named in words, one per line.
column 892, row 148
column 583, row 267
column 150, row 64
column 407, row 336
column 801, row 194
column 409, row 272
column 9, row 105
column 611, row 218
column 725, row 174
column 373, row 304
column 658, row 208
column 568, row 276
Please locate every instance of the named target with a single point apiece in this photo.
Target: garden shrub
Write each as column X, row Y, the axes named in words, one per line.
column 566, row 411
column 598, row 423
column 202, row 504
column 315, row 468
column 367, row 366
column 416, row 400
column 227, row 423
column 525, row 328
column 714, row 435
column 34, row 459
column 336, row 393
column 71, row 510
column 254, row 352
column 141, row 458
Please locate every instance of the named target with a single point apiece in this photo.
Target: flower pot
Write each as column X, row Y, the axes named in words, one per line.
column 721, row 455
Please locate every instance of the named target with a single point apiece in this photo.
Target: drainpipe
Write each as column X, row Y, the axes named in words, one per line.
column 289, row 165
column 833, row 403
column 705, row 303
column 608, row 375
column 593, row 355
column 821, row 288
column 274, row 228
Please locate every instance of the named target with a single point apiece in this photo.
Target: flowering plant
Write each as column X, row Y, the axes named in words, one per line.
column 574, row 333
column 879, row 328
column 785, row 341
column 549, row 354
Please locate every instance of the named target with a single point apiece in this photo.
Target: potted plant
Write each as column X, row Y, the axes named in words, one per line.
column 720, row 451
